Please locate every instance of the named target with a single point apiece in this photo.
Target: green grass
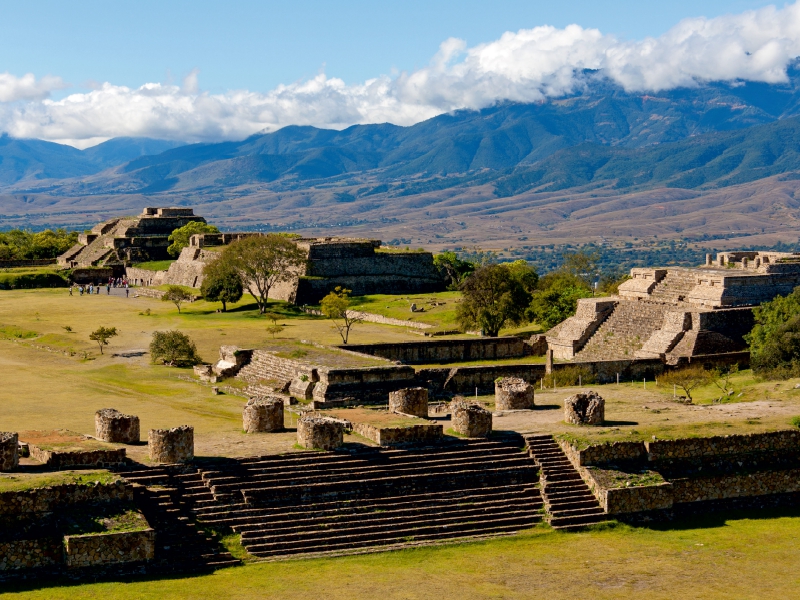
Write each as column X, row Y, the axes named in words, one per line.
column 731, row 555
column 16, row 482
column 399, row 307
column 31, row 277
column 12, row 332
column 155, row 265
column 102, row 519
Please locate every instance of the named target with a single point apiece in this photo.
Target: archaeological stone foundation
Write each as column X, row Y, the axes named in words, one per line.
column 409, row 401
column 323, row 433
column 262, row 415
column 585, row 408
column 513, row 393
column 470, row 419
column 113, row 426
column 169, row 446
column 9, row 455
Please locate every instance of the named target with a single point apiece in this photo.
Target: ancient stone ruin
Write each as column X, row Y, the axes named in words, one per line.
column 261, row 415
column 170, row 446
column 585, row 408
column 409, row 401
column 323, row 433
column 9, row 455
column 110, row 425
column 513, row 393
column 470, row 419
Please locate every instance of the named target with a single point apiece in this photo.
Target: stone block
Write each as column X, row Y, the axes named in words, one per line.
column 302, row 388
column 205, row 373
column 9, row 454
column 262, row 415
column 110, row 425
column 585, row 408
column 323, row 433
column 513, row 393
column 470, row 419
column 409, row 401
column 171, row 445
column 109, row 548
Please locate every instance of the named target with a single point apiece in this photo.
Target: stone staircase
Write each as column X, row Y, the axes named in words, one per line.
column 624, row 332
column 372, row 500
column 675, row 286
column 166, row 498
column 569, row 502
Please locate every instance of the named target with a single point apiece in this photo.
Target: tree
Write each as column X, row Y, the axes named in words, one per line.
column 173, row 348
column 452, row 268
column 556, row 298
column 102, row 335
column 493, row 297
column 775, row 338
column 180, row 236
column 221, row 283
column 177, row 295
column 581, row 264
column 335, row 306
column 686, row 379
column 264, row 261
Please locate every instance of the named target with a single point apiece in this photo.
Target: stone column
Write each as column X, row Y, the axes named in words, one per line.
column 410, row 401
column 262, row 415
column 470, row 419
column 513, row 393
column 757, row 262
column 548, row 364
column 744, row 262
column 585, row 408
column 721, row 259
column 709, row 260
column 9, row 455
column 110, row 425
column 171, row 445
column 321, row 433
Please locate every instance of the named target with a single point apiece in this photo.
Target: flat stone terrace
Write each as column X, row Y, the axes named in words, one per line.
column 370, row 500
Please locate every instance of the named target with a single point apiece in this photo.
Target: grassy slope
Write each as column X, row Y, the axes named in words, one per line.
column 24, row 481
column 738, row 557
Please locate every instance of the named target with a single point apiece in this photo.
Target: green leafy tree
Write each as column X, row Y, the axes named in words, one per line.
column 18, row 244
column 687, row 379
column 173, row 348
column 775, row 338
column 177, row 295
column 336, row 306
column 102, row 335
column 524, row 273
column 221, row 283
column 492, row 298
column 263, row 262
column 180, row 236
column 452, row 268
column 582, row 265
column 556, row 298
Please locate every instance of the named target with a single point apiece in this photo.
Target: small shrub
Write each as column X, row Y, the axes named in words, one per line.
column 572, row 376
column 795, row 422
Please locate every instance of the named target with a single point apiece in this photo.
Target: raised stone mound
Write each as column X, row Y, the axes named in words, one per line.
column 9, row 457
column 470, row 419
column 110, row 425
column 513, row 393
column 262, row 415
column 585, row 408
column 171, row 445
column 409, row 401
column 322, row 433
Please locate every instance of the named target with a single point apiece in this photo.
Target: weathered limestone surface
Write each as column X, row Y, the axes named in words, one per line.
column 171, row 445
column 9, row 455
column 302, row 388
column 425, row 432
column 262, row 415
column 689, row 448
column 47, row 499
column 513, row 393
column 87, row 458
column 444, row 351
column 109, row 548
column 323, row 433
column 29, row 554
column 471, row 420
column 409, row 401
column 585, row 408
column 112, row 426
column 231, row 360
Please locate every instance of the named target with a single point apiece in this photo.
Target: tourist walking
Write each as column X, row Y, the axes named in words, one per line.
column 70, row 289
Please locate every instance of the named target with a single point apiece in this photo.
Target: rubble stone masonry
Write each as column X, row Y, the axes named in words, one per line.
column 171, row 446
column 9, row 453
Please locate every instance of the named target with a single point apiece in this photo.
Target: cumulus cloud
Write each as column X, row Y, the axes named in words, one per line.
column 525, row 66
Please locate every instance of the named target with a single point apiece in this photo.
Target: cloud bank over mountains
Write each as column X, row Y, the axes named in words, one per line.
column 527, row 66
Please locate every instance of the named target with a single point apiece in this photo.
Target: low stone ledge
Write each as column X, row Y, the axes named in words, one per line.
column 113, row 426
column 109, row 548
column 169, row 446
column 9, row 450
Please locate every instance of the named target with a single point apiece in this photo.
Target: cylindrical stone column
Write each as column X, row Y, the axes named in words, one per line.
column 513, row 393
column 470, row 420
column 110, row 425
column 9, row 455
column 585, row 408
column 171, row 445
column 320, row 432
column 262, row 415
column 410, row 401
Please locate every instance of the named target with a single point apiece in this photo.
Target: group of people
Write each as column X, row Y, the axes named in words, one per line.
column 92, row 288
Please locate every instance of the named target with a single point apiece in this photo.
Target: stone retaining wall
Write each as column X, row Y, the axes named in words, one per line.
column 30, row 554
column 109, row 548
column 47, row 499
column 446, row 351
column 692, row 448
column 612, row 452
column 721, row 487
column 9, row 453
column 391, row 436
column 86, row 458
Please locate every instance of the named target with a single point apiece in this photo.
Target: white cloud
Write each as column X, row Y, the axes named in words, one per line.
column 526, row 66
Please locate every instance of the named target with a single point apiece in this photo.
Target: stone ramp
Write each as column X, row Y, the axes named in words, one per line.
column 624, row 333
column 340, row 503
column 569, row 502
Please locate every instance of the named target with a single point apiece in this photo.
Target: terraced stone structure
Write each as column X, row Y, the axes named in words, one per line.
column 169, row 446
column 110, row 425
column 409, row 401
column 470, row 419
column 9, row 454
column 323, row 433
column 675, row 312
column 513, row 393
column 262, row 415
column 585, row 408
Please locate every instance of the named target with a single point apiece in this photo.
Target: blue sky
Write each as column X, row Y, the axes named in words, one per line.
column 82, row 72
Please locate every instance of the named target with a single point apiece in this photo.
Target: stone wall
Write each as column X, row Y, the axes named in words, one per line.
column 392, row 436
column 142, row 277
column 369, row 385
column 30, row 554
column 109, row 548
column 86, row 458
column 9, row 453
column 612, row 452
column 693, row 448
column 722, row 487
column 47, row 499
column 446, row 351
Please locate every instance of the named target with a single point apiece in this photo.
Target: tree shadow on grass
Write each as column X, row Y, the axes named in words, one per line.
column 717, row 514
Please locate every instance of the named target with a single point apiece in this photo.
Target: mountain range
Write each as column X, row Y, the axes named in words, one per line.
column 601, row 143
